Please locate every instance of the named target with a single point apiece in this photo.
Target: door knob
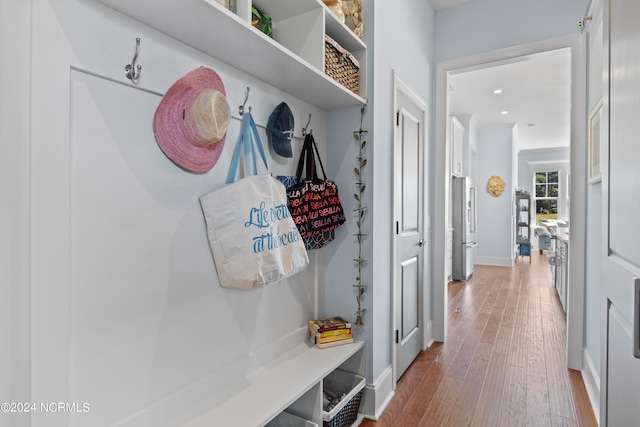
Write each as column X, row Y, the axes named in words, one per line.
column 421, row 242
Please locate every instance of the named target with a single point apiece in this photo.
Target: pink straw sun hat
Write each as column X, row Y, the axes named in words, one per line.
column 190, row 123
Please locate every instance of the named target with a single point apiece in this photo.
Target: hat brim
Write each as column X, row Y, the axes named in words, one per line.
column 169, row 128
column 281, row 146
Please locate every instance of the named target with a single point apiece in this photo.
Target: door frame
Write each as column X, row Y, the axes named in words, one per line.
column 399, row 86
column 575, row 312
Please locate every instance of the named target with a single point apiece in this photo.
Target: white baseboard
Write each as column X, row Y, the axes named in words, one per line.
column 591, row 382
column 494, row 261
column 428, row 335
column 377, row 396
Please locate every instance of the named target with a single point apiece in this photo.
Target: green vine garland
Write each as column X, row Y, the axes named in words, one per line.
column 360, row 213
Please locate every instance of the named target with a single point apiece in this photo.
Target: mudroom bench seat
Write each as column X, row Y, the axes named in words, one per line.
column 291, row 380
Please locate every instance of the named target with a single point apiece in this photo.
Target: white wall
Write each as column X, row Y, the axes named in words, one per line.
column 403, row 41
column 191, row 338
column 486, row 25
column 593, row 298
column 495, row 151
column 593, row 275
column 14, row 208
column 258, row 316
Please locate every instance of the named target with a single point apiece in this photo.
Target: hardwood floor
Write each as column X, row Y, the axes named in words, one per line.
column 503, row 363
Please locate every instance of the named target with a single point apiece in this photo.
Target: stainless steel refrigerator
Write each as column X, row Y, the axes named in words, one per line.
column 465, row 234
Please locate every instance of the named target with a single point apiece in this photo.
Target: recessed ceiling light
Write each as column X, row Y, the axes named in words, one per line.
column 497, row 91
column 504, row 113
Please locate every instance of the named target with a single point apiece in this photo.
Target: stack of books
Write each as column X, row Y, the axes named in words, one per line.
column 330, row 332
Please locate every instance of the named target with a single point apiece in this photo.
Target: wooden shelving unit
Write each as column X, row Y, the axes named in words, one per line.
column 523, row 224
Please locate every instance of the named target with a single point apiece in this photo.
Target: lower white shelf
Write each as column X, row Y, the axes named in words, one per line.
column 274, row 387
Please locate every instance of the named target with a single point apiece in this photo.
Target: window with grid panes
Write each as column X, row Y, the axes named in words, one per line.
column 546, row 195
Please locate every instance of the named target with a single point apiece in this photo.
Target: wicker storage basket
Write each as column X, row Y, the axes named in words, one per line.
column 345, row 413
column 341, row 65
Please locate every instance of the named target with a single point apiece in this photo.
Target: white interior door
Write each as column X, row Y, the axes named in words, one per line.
column 620, row 370
column 409, row 268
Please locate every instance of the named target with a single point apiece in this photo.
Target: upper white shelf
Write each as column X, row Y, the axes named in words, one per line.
column 209, row 27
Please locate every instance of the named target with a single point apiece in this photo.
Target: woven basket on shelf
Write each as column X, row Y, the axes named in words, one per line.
column 341, row 65
column 348, row 385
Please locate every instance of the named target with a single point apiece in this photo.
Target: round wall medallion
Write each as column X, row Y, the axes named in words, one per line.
column 495, row 186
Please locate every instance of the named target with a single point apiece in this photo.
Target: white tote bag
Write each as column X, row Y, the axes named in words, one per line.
column 253, row 238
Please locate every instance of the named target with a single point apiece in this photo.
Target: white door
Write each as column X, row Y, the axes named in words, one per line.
column 409, row 270
column 620, row 371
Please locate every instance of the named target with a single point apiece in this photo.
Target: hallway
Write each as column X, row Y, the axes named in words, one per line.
column 504, row 360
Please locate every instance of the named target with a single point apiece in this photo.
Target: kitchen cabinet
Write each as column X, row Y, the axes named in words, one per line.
column 561, row 276
column 559, row 257
column 457, row 151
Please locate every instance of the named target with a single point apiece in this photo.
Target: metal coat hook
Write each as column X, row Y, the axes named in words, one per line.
column 583, row 23
column 304, row 129
column 246, row 97
column 130, row 70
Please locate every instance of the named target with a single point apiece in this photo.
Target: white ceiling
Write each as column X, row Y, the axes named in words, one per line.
column 536, row 93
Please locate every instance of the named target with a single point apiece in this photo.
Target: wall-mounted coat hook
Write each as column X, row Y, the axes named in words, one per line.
column 582, row 23
column 130, row 70
column 246, row 97
column 305, row 129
